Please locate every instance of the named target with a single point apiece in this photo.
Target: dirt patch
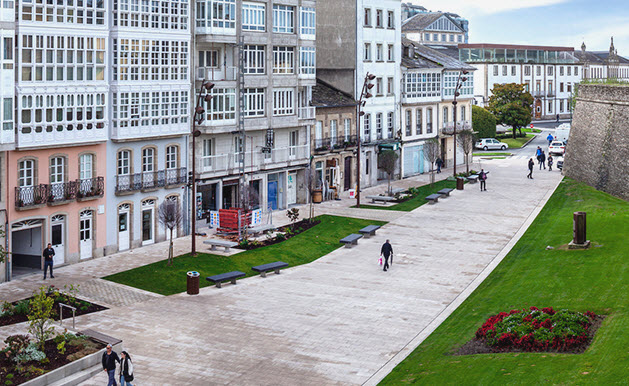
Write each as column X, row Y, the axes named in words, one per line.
column 84, row 308
column 477, row 346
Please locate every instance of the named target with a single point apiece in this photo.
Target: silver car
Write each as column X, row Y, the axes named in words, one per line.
column 490, row 143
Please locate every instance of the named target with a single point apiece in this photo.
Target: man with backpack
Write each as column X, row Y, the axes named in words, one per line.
column 482, row 177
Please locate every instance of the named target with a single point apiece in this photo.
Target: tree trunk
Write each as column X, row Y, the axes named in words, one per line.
column 170, row 248
column 467, row 163
column 513, row 131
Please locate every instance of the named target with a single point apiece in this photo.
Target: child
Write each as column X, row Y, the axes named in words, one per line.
column 550, row 162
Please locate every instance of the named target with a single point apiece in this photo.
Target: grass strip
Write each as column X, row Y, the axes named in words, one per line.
column 418, row 200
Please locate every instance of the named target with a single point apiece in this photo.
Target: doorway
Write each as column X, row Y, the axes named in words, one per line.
column 148, row 232
column 347, row 176
column 124, row 235
column 26, row 247
column 86, row 234
column 291, row 188
column 272, row 194
column 230, row 194
column 57, row 237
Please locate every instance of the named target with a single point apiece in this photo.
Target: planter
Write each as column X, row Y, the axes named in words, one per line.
column 317, row 196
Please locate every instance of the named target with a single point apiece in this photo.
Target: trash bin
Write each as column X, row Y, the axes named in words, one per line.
column 193, row 283
column 459, row 183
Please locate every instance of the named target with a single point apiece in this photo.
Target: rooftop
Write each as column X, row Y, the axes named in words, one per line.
column 326, row 95
column 426, row 57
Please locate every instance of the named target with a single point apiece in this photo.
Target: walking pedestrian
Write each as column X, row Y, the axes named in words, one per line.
column 49, row 252
column 542, row 160
column 482, row 177
column 109, row 364
column 386, row 251
column 126, row 369
column 549, row 138
column 531, row 164
column 439, row 163
column 550, row 162
column 557, row 118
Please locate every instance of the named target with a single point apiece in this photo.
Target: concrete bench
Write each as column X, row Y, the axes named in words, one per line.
column 369, row 230
column 381, row 198
column 397, row 191
column 260, row 229
column 231, row 276
column 264, row 268
column 351, row 240
column 473, row 178
column 433, row 198
column 445, row 192
column 220, row 243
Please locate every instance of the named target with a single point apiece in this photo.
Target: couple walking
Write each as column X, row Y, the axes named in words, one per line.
column 109, row 365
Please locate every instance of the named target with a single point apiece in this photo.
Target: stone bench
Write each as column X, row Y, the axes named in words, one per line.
column 473, row 178
column 381, row 198
column 351, row 240
column 260, row 229
column 231, row 276
column 220, row 243
column 397, row 191
column 369, row 230
column 433, row 198
column 264, row 268
column 445, row 192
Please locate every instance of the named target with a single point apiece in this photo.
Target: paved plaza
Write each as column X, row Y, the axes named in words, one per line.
column 338, row 320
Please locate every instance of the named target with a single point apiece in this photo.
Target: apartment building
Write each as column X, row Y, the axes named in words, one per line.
column 409, row 10
column 272, row 45
column 434, row 28
column 356, row 38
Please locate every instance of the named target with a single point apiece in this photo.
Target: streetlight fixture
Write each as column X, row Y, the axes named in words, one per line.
column 459, row 83
column 364, row 94
column 197, row 119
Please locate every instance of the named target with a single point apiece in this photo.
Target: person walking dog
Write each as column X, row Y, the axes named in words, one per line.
column 531, row 164
column 482, row 177
column 386, row 251
column 49, row 252
column 109, row 364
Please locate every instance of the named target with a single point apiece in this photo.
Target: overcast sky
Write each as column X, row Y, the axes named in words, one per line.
column 543, row 22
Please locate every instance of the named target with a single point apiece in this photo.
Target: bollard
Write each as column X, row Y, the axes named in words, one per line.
column 579, row 228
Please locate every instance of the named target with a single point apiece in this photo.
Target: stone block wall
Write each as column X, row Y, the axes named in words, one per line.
column 598, row 147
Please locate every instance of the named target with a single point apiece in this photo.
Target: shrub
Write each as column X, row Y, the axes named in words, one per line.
column 7, row 309
column 40, row 317
column 31, row 353
column 21, row 308
column 293, row 215
column 483, row 122
column 61, row 347
column 15, row 345
column 280, row 237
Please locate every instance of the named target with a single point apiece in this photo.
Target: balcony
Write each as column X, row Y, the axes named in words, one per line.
column 47, row 136
column 325, row 145
column 149, row 181
column 550, row 94
column 322, row 145
column 448, row 128
column 538, row 94
column 30, row 197
column 288, row 155
column 217, row 74
column 306, row 112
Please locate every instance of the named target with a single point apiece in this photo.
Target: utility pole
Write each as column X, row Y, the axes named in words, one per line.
column 364, row 94
column 459, row 83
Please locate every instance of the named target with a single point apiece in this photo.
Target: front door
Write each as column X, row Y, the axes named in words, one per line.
column 57, row 235
column 538, row 108
column 291, row 189
column 272, row 187
column 85, row 234
column 347, row 176
column 147, row 226
column 123, row 227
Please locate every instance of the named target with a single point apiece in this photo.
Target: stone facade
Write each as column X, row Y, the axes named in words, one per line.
column 598, row 147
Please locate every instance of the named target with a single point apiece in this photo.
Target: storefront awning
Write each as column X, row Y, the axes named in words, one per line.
column 389, row 146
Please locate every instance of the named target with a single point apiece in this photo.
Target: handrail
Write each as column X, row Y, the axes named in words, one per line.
column 61, row 305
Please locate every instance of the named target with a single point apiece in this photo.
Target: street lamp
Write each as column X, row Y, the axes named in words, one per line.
column 459, row 83
column 364, row 94
column 198, row 118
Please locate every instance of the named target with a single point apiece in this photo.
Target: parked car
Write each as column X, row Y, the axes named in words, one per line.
column 490, row 143
column 559, row 163
column 557, row 147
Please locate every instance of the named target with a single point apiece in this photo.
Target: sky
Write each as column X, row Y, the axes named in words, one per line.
column 566, row 23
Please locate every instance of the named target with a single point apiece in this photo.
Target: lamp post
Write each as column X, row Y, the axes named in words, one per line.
column 198, row 117
column 364, row 94
column 459, row 83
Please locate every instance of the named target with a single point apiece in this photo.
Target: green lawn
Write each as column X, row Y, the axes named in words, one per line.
column 416, row 201
column 596, row 279
column 301, row 249
column 489, row 154
column 518, row 142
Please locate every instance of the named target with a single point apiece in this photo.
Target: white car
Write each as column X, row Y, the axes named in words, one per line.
column 557, row 147
column 490, row 143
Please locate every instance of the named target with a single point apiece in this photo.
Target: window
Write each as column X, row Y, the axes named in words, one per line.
column 222, row 106
column 7, row 114
column 569, row 70
column 422, row 85
column 390, row 124
column 379, row 21
column 435, row 37
column 238, row 148
column 452, row 38
column 462, row 113
column 367, row 128
column 283, row 101
column 445, row 115
column 7, row 51
column 390, row 19
column 379, row 53
column 367, row 54
column 307, row 61
column 379, row 125
column 449, row 84
column 283, row 19
column 57, row 166
column 550, row 107
column 86, row 166
column 144, row 59
column 527, row 86
column 429, row 120
column 495, row 70
column 550, row 87
column 561, row 87
column 213, row 14
column 254, row 102
column 208, row 59
column 171, row 157
column 561, row 104
column 333, row 131
column 347, row 123
column 390, row 53
column 367, row 20
column 459, row 38
column 538, row 70
column 283, row 60
column 504, row 70
column 390, row 89
column 293, row 142
column 367, row 164
column 418, row 122
column 550, row 70
column 378, row 86
column 148, row 160
column 513, row 70
column 26, row 171
column 208, row 152
column 443, row 38
column 576, row 71
column 80, row 12
column 254, row 59
column 318, row 132
column 307, row 24
column 409, row 123
column 527, row 70
column 253, row 16
column 124, row 160
column 569, row 87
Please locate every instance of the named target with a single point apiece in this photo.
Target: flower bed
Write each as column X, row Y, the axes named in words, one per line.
column 535, row 329
column 283, row 233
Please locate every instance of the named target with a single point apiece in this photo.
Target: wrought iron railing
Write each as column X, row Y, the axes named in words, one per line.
column 343, row 142
column 176, row 176
column 322, row 144
column 61, row 191
column 90, row 187
column 27, row 196
column 150, row 180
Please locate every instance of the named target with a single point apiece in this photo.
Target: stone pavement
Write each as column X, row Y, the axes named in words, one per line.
column 340, row 319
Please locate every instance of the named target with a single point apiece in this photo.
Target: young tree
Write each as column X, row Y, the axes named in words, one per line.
column 311, row 185
column 465, row 138
column 483, row 122
column 431, row 153
column 169, row 215
column 40, row 317
column 386, row 161
column 511, row 105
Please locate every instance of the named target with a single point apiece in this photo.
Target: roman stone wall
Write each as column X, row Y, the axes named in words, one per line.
column 598, row 147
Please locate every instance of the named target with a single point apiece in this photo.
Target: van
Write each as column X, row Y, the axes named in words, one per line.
column 562, row 135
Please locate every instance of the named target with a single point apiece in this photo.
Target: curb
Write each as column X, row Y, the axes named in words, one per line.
column 529, row 141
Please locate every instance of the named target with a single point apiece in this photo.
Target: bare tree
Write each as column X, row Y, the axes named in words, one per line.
column 311, row 185
column 387, row 161
column 431, row 153
column 465, row 139
column 170, row 216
